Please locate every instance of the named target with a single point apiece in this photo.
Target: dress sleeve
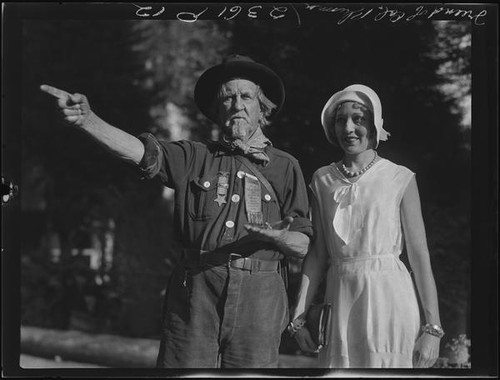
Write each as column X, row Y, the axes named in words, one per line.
column 170, row 161
column 403, row 178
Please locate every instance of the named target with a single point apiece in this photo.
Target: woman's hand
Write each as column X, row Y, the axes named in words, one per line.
column 303, row 338
column 426, row 351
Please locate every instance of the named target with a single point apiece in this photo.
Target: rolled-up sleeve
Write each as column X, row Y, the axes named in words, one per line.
column 170, row 161
column 150, row 164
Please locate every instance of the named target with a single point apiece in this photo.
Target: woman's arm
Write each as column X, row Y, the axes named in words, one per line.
column 313, row 270
column 427, row 346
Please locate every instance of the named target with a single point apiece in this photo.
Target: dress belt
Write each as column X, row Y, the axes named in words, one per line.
column 200, row 258
column 342, row 260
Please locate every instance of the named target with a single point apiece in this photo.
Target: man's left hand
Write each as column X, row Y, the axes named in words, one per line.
column 273, row 232
column 290, row 243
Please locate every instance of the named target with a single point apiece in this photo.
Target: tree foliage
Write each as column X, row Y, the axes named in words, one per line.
column 80, row 183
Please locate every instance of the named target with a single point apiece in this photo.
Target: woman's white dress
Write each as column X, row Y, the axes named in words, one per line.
column 375, row 319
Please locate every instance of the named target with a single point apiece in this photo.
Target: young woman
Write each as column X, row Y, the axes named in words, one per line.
column 364, row 208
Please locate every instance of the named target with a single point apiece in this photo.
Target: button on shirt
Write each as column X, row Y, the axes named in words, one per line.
column 194, row 171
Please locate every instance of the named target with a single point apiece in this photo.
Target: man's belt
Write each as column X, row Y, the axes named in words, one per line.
column 199, row 258
column 253, row 265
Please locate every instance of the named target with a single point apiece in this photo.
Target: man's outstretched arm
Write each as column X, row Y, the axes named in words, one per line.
column 76, row 111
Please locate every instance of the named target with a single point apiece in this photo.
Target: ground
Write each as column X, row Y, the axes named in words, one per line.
column 47, row 348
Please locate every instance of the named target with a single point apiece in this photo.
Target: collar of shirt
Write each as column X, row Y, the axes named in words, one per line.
column 221, row 149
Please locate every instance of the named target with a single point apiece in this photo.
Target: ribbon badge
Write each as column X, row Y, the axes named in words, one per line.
column 253, row 200
column 222, row 186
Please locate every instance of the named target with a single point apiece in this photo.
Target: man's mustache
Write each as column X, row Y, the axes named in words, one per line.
column 238, row 116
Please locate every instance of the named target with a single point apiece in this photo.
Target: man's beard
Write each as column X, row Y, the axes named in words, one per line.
column 239, row 129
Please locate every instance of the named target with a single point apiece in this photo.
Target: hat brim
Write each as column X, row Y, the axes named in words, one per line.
column 208, row 84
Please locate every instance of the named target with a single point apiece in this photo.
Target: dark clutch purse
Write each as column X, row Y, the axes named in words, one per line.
column 318, row 323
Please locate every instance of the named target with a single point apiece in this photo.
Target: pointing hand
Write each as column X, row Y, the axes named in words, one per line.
column 75, row 108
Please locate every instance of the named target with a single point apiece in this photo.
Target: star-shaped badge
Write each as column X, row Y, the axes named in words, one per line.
column 220, row 200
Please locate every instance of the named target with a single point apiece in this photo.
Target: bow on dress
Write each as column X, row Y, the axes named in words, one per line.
column 344, row 196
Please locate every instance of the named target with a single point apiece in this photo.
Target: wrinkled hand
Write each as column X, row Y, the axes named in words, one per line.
column 75, row 108
column 426, row 351
column 303, row 338
column 273, row 233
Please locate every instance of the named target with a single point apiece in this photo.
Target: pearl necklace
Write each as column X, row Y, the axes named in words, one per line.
column 350, row 174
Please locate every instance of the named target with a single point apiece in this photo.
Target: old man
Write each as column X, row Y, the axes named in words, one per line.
column 240, row 208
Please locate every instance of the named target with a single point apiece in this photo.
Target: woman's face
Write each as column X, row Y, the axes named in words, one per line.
column 353, row 127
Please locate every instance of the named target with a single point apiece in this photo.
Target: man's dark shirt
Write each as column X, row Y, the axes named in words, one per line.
column 193, row 169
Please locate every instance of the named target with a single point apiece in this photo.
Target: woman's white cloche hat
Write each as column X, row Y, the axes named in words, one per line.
column 355, row 93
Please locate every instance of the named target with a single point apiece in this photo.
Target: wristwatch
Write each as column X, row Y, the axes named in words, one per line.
column 434, row 330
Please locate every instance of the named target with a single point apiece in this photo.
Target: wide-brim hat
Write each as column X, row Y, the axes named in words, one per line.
column 358, row 93
column 232, row 67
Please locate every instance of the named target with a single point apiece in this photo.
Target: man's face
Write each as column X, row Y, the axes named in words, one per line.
column 239, row 109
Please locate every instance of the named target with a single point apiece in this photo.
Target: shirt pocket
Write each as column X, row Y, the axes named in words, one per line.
column 270, row 207
column 201, row 197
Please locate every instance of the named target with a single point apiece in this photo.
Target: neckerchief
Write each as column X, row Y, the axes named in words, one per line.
column 253, row 148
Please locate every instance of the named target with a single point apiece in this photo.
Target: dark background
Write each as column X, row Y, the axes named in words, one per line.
column 76, row 201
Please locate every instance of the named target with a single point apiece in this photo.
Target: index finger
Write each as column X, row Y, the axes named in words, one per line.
column 252, row 228
column 60, row 94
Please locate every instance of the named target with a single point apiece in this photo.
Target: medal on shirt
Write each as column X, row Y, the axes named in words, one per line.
column 222, row 186
column 253, row 200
